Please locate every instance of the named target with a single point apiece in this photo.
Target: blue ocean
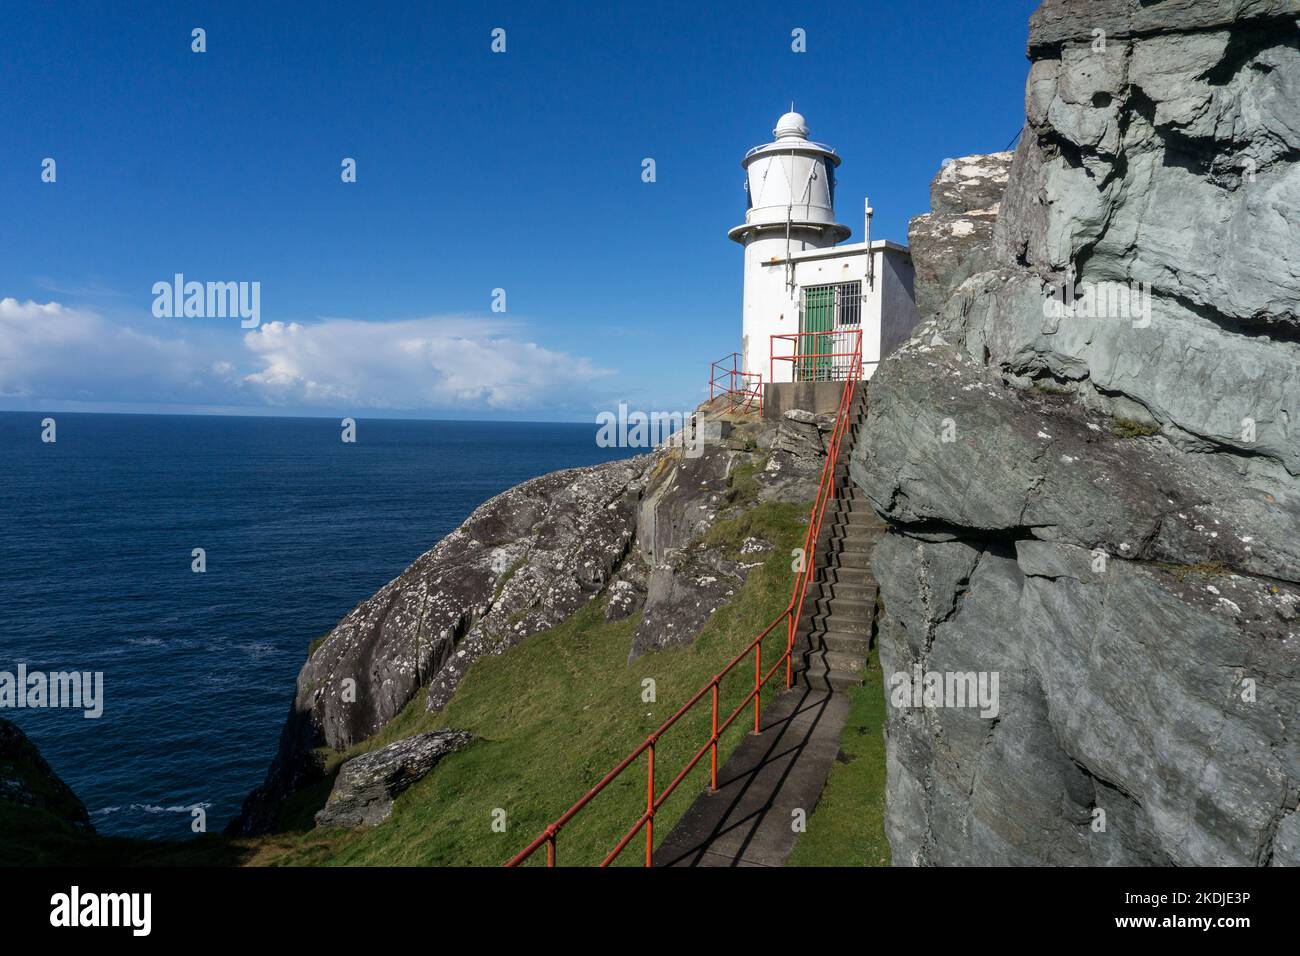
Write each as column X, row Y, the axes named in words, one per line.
column 98, row 531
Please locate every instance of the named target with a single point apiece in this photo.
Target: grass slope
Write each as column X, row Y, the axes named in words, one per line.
column 550, row 717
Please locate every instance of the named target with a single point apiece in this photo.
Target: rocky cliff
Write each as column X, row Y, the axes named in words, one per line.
column 1088, row 457
column 630, row 531
column 27, row 781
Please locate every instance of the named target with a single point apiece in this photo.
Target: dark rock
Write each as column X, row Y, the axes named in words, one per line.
column 366, row 786
column 686, row 587
column 1119, row 690
column 26, row 780
column 1059, row 21
column 799, row 436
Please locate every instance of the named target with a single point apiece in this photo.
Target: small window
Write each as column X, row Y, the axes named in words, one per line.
column 848, row 304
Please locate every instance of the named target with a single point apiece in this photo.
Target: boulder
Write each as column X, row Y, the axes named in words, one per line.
column 366, row 786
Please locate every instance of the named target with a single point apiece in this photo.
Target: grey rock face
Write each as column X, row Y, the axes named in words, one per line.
column 1100, row 502
column 366, row 786
column 688, row 579
column 955, row 240
column 1120, row 691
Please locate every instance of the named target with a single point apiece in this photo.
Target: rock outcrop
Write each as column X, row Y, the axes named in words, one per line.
column 631, row 530
column 26, row 780
column 367, row 785
column 955, row 239
column 1089, row 459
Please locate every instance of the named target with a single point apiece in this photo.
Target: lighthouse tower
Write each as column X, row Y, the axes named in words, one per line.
column 790, row 183
column 802, row 285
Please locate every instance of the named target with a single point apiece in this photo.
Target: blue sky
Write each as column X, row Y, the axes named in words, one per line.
column 475, row 171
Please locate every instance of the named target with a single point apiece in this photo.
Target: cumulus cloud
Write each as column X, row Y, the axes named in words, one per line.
column 417, row 363
column 52, row 352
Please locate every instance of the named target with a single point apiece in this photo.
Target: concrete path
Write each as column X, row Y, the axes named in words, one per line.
column 769, row 775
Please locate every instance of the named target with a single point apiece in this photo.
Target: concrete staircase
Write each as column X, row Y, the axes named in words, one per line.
column 834, row 633
column 784, row 768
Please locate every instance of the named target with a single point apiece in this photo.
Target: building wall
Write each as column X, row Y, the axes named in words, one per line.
column 898, row 303
column 769, row 308
column 888, row 310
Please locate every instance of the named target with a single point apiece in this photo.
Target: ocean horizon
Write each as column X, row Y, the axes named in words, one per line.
column 296, row 527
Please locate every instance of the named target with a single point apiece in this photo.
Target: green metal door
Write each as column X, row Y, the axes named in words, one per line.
column 818, row 316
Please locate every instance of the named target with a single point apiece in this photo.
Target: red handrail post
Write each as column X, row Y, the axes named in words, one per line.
column 758, row 680
column 650, row 805
column 713, row 759
column 789, row 652
column 550, row 851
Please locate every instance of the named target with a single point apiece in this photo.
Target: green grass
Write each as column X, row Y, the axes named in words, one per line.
column 743, row 486
column 1206, row 569
column 847, row 827
column 1127, row 428
column 550, row 717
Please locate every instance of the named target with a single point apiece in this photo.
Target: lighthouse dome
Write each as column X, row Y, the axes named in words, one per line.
column 791, row 125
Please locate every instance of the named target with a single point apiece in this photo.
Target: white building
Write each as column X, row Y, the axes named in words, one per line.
column 801, row 285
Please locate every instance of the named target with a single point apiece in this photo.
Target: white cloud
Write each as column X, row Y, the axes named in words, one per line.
column 417, row 363
column 51, row 352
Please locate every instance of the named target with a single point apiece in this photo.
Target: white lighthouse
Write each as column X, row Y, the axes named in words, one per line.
column 814, row 295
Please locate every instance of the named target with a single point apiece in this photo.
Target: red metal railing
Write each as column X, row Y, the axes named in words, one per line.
column 790, row 617
column 744, row 390
column 831, row 356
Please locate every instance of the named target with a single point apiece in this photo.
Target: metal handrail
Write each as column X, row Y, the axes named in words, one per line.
column 791, row 616
column 743, row 389
column 822, row 365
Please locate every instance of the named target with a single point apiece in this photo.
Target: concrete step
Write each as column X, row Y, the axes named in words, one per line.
column 847, row 642
column 846, row 662
column 860, row 559
column 841, row 540
column 851, row 505
column 819, row 675
column 864, row 593
column 818, row 621
column 862, row 519
column 834, row 574
column 844, row 609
